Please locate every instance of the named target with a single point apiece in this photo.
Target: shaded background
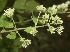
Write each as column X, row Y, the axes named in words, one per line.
column 43, row 41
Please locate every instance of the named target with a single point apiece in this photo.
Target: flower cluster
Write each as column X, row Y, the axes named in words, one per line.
column 41, row 8
column 9, row 12
column 50, row 17
column 34, row 31
column 52, row 10
column 52, row 21
column 59, row 29
column 55, row 8
column 56, row 20
column 25, row 42
column 44, row 19
column 51, row 29
column 68, row 2
column 63, row 7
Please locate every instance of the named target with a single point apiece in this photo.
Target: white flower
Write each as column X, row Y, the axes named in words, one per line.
column 34, row 31
column 62, row 7
column 52, row 10
column 22, row 39
column 41, row 8
column 51, row 29
column 46, row 16
column 59, row 21
column 56, row 20
column 68, row 2
column 9, row 12
column 60, row 29
column 25, row 42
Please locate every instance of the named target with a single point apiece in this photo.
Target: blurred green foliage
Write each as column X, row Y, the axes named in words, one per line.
column 2, row 4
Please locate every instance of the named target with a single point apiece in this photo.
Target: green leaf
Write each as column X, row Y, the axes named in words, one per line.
column 28, row 29
column 21, row 19
column 25, row 4
column 4, row 23
column 31, row 5
column 12, row 35
column 31, row 30
column 3, row 17
column 8, row 25
column 19, row 4
column 35, row 20
column 2, row 4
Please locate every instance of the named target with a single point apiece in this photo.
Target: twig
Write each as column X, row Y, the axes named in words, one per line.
column 67, row 12
column 12, row 30
column 17, row 29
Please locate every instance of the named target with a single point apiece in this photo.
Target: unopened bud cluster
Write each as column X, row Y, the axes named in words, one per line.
column 9, row 12
column 25, row 42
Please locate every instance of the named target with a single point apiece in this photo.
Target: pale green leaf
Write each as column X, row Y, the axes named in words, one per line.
column 28, row 29
column 8, row 25
column 35, row 20
column 4, row 23
column 12, row 35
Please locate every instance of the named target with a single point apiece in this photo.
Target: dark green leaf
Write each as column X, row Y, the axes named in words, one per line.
column 31, row 5
column 19, row 4
column 25, row 4
column 2, row 4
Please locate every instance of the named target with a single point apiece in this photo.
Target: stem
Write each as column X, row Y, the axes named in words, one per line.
column 67, row 12
column 12, row 30
column 39, row 14
column 28, row 20
column 17, row 29
column 18, row 33
column 40, row 26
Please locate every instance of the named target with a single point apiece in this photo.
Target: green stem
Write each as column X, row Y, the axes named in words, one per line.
column 27, row 20
column 39, row 14
column 67, row 12
column 17, row 29
column 12, row 30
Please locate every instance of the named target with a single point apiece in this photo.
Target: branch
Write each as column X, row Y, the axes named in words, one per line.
column 17, row 29
column 12, row 30
column 67, row 12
